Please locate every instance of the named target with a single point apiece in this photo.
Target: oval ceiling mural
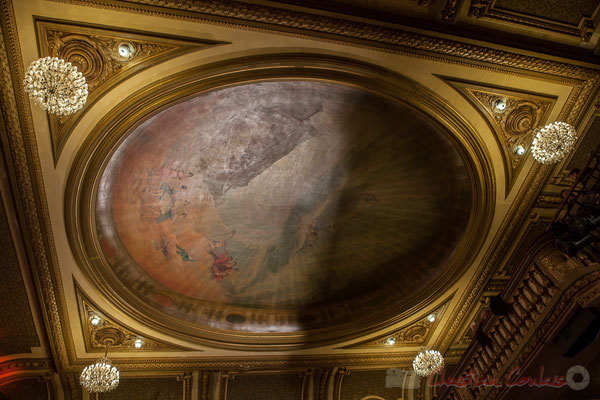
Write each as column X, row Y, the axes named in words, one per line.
column 281, row 206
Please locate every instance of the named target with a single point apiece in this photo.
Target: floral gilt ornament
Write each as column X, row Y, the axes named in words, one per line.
column 56, row 86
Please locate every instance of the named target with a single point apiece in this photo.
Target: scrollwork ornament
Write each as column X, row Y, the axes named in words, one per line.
column 105, row 332
column 98, row 57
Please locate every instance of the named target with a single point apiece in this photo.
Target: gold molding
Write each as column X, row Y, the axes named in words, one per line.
column 32, row 368
column 103, row 140
column 26, row 179
column 25, row 175
column 337, row 382
column 109, row 332
column 411, row 334
column 308, row 384
column 507, row 232
column 583, row 30
column 94, row 50
column 184, row 377
column 513, row 126
column 205, row 385
column 304, row 374
column 323, row 379
column 15, row 370
column 449, row 11
column 558, row 264
column 367, row 35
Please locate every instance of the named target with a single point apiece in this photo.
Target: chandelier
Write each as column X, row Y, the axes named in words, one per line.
column 56, row 85
column 100, row 377
column 553, row 142
column 427, row 362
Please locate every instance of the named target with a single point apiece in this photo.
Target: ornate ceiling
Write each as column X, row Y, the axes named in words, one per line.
column 276, row 186
column 281, row 207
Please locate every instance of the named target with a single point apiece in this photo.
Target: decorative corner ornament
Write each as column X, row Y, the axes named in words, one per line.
column 99, row 331
column 415, row 333
column 105, row 56
column 512, row 115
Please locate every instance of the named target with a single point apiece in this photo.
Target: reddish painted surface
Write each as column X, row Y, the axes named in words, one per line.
column 281, row 196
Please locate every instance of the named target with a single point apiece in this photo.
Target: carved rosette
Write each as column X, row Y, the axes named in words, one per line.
column 516, row 122
column 97, row 57
column 108, row 333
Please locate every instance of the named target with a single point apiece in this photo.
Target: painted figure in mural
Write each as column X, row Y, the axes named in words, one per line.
column 310, row 238
column 169, row 205
column 222, row 266
column 223, row 263
column 165, row 173
column 168, row 202
column 312, row 235
column 184, row 254
column 162, row 245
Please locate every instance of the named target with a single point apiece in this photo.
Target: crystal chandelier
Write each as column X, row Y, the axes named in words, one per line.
column 553, row 142
column 100, row 377
column 56, row 85
column 427, row 362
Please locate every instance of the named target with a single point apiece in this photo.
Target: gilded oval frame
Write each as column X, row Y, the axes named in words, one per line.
column 106, row 136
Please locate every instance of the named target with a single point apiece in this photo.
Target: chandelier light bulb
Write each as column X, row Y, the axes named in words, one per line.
column 428, row 362
column 56, row 85
column 553, row 142
column 100, row 377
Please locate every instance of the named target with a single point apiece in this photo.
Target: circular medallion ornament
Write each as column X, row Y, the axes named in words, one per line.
column 83, row 55
column 520, row 120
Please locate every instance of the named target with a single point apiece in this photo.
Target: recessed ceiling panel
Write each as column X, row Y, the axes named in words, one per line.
column 281, row 206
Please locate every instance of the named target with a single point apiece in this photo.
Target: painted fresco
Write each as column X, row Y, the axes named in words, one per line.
column 288, row 196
